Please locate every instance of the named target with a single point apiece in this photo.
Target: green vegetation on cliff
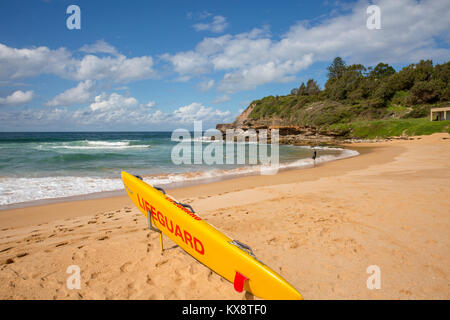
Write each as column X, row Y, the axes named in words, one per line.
column 365, row 102
column 389, row 128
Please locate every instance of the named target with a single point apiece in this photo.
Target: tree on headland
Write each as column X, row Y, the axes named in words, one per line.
column 337, row 68
column 381, row 70
column 312, row 87
column 427, row 91
column 348, row 84
column 301, row 90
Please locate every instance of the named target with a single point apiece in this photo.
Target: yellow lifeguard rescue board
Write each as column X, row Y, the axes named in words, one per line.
column 228, row 258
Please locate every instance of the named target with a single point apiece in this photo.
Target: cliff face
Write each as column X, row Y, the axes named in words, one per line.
column 244, row 115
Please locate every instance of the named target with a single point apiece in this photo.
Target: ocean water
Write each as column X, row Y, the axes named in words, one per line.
column 37, row 166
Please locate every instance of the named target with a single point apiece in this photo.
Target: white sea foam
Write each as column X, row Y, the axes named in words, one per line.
column 109, row 143
column 16, row 190
column 137, row 146
column 92, row 145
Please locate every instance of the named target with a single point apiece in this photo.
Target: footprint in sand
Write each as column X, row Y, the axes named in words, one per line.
column 293, row 245
column 6, row 249
column 192, row 269
column 125, row 267
column 131, row 289
column 61, row 244
column 94, row 275
column 78, row 256
column 405, row 292
column 161, row 263
column 20, row 255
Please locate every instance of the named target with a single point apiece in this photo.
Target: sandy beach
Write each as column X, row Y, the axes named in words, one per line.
column 320, row 228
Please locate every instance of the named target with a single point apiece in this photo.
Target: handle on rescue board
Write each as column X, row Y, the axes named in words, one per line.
column 244, row 247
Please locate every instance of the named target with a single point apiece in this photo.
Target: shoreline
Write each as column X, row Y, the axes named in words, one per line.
column 319, row 228
column 169, row 186
column 34, row 212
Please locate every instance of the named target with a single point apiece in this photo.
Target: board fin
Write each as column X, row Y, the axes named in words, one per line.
column 239, row 281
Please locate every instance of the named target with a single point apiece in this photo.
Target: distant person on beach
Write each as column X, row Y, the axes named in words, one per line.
column 314, row 157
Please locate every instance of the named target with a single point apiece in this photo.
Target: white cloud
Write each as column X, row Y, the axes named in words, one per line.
column 116, row 69
column 189, row 62
column 82, row 93
column 250, row 77
column 409, row 32
column 115, row 108
column 196, row 111
column 206, row 85
column 22, row 63
column 17, row 97
column 113, row 111
column 104, row 102
column 217, row 25
column 183, row 79
column 109, row 109
column 99, row 47
column 150, row 104
column 407, row 26
column 204, row 15
column 221, row 99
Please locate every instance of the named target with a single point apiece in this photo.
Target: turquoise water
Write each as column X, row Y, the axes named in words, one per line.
column 36, row 166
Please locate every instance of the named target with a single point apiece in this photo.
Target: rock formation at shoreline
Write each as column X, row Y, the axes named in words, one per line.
column 288, row 134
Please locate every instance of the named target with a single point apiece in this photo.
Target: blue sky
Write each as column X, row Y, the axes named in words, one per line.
column 160, row 65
